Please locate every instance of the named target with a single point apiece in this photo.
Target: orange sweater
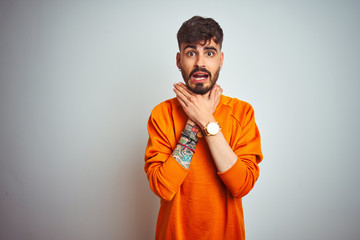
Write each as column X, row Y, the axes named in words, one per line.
column 201, row 203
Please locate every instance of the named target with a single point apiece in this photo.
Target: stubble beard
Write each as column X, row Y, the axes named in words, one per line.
column 199, row 88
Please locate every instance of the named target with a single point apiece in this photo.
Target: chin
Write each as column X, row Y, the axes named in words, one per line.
column 199, row 88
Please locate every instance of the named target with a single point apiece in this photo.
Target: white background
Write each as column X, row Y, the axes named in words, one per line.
column 80, row 78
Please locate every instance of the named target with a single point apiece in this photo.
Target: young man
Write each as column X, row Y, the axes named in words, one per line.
column 204, row 148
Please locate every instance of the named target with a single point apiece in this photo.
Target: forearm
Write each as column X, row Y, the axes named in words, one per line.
column 238, row 174
column 224, row 157
column 185, row 148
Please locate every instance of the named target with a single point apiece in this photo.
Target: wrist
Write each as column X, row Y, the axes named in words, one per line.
column 191, row 130
column 202, row 123
column 191, row 122
column 211, row 129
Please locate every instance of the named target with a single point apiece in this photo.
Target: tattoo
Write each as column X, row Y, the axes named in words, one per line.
column 185, row 148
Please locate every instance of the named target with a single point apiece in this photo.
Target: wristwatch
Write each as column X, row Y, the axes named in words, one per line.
column 211, row 129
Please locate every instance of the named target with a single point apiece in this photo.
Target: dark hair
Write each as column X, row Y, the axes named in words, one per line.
column 198, row 29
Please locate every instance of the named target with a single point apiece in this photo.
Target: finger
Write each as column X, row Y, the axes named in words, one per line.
column 183, row 90
column 213, row 92
column 182, row 85
column 219, row 93
column 181, row 96
column 219, row 89
column 182, row 103
column 218, row 96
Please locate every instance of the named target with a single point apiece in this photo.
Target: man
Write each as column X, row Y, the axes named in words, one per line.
column 204, row 148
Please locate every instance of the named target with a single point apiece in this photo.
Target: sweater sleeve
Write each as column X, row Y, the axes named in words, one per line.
column 241, row 177
column 164, row 173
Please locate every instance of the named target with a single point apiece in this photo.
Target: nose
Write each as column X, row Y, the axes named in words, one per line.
column 200, row 62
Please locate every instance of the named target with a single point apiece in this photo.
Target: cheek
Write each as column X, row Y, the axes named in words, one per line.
column 214, row 66
column 188, row 63
column 187, row 68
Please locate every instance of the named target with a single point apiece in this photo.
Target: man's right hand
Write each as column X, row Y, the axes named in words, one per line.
column 199, row 108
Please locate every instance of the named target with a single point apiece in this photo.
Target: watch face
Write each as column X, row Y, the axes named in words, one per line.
column 213, row 128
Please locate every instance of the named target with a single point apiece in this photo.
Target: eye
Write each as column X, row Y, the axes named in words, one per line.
column 191, row 54
column 210, row 54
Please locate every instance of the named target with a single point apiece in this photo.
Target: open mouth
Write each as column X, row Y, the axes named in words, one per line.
column 199, row 76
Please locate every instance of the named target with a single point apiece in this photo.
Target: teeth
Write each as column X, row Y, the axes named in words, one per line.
column 200, row 76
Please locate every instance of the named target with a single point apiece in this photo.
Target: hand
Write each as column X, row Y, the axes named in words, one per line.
column 199, row 108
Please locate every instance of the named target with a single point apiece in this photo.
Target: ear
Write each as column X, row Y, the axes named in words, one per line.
column 221, row 59
column 178, row 60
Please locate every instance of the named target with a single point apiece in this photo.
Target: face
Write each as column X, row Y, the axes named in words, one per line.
column 200, row 65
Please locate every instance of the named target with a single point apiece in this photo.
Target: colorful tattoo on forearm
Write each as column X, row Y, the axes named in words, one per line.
column 185, row 148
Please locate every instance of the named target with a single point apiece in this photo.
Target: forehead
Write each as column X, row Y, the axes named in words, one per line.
column 200, row 45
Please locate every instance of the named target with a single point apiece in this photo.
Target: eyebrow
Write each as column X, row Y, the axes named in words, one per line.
column 195, row 47
column 210, row 48
column 189, row 46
